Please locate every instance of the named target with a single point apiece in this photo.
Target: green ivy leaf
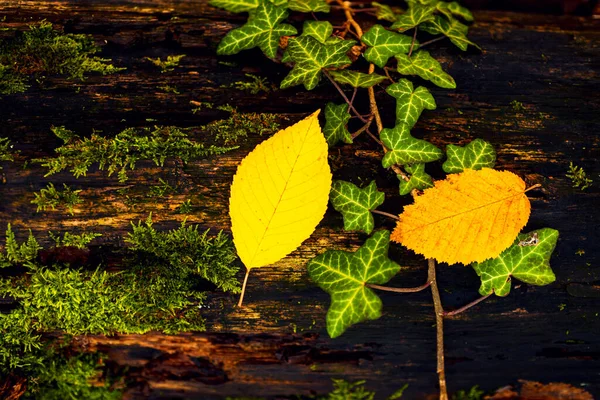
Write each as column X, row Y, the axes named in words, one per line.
column 311, row 57
column 415, row 15
column 476, row 155
column 384, row 12
column 263, row 29
column 235, row 6
column 307, row 6
column 356, row 79
column 419, row 179
column 344, row 276
column 410, row 103
column 453, row 29
column 356, row 204
column 383, row 44
column 424, row 65
column 405, row 149
column 526, row 261
column 336, row 122
column 320, row 30
column 450, row 9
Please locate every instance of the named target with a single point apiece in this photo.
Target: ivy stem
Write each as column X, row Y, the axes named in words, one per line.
column 339, row 89
column 364, row 128
column 437, row 39
column 347, row 6
column 400, row 290
column 412, row 44
column 537, row 185
column 244, row 288
column 439, row 324
column 392, row 216
column 466, row 306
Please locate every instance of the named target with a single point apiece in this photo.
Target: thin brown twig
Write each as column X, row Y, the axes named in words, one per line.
column 466, row 306
column 439, row 324
column 348, row 13
column 412, row 44
column 392, row 216
column 400, row 290
column 353, row 95
column 339, row 89
column 437, row 39
column 363, row 129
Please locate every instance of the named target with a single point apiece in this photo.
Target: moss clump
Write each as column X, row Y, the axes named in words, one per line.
column 121, row 153
column 45, row 51
column 5, row 150
column 167, row 65
column 50, row 198
column 80, row 241
column 240, row 125
column 254, row 84
column 578, row 177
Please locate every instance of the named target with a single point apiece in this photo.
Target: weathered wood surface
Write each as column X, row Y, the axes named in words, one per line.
column 277, row 345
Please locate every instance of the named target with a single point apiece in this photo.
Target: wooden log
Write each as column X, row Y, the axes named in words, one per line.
column 277, row 344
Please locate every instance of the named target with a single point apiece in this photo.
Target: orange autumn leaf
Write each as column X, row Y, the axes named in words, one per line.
column 468, row 217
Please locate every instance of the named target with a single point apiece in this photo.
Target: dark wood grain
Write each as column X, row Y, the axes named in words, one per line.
column 277, row 344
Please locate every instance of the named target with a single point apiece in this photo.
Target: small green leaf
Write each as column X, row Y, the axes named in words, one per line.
column 263, row 29
column 454, row 9
column 344, row 276
column 528, row 260
column 311, row 57
column 405, row 149
column 320, row 30
column 419, row 179
column 356, row 79
column 356, row 204
column 410, row 103
column 383, row 44
column 307, row 6
column 454, row 30
column 235, row 6
column 384, row 12
column 336, row 122
column 415, row 15
column 476, row 155
column 422, row 64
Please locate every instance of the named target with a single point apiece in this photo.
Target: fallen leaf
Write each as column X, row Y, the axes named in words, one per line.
column 280, row 193
column 467, row 217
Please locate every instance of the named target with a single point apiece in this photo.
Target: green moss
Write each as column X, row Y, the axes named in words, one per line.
column 517, row 106
column 80, row 241
column 240, row 125
column 45, row 51
column 472, row 394
column 167, row 65
column 5, row 151
column 254, row 84
column 50, row 198
column 122, row 152
column 578, row 177
column 169, row 89
column 185, row 207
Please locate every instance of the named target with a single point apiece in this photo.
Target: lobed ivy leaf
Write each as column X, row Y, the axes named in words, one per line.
column 383, row 44
column 425, row 66
column 526, row 261
column 356, row 204
column 235, row 6
column 320, row 30
column 451, row 9
column 453, row 29
column 384, row 12
column 419, row 179
column 311, row 57
column 476, row 155
column 263, row 29
column 415, row 15
column 344, row 276
column 356, row 79
column 405, row 149
column 307, row 6
column 336, row 124
column 410, row 103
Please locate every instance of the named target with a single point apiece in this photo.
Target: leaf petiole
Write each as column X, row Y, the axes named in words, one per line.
column 466, row 306
column 400, row 290
column 244, row 288
column 392, row 216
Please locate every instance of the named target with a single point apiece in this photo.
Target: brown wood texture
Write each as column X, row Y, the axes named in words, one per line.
column 277, row 344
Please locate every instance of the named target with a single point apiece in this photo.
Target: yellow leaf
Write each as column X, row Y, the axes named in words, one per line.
column 468, row 217
column 279, row 193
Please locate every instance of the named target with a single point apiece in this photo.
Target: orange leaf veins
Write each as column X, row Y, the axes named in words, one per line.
column 468, row 217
